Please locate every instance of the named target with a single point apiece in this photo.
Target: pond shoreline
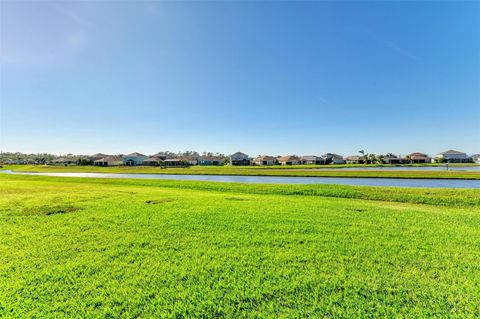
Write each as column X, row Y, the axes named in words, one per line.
column 259, row 179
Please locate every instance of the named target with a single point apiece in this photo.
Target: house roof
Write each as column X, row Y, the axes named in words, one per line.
column 109, row 159
column 239, row 154
column 310, row 157
column 99, row 155
column 332, row 155
column 417, row 155
column 289, row 158
column 391, row 156
column 151, row 159
column 265, row 158
column 173, row 160
column 210, row 158
column 136, row 154
column 450, row 152
column 353, row 158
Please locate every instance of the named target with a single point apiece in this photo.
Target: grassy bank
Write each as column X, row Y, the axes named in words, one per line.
column 252, row 171
column 72, row 247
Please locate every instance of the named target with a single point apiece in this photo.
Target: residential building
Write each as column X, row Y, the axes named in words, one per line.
column 175, row 162
column 312, row 159
column 392, row 159
column 239, row 158
column 354, row 159
column 331, row 158
column 108, row 161
column 161, row 156
column 152, row 161
column 289, row 160
column 452, row 156
column 265, row 160
column 134, row 159
column 210, row 160
column 476, row 158
column 417, row 158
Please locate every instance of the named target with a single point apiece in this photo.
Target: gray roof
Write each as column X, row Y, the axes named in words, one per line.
column 310, row 157
column 450, row 152
column 136, row 154
column 353, row 158
column 239, row 154
column 109, row 159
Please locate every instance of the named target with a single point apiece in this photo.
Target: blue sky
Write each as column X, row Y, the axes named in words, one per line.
column 260, row 77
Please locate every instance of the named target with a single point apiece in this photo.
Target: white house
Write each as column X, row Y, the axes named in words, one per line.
column 476, row 158
column 452, row 156
column 134, row 159
column 239, row 158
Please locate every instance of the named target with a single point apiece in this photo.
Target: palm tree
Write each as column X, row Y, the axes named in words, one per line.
column 364, row 156
column 380, row 158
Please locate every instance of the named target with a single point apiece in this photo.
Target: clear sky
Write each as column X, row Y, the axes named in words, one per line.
column 259, row 77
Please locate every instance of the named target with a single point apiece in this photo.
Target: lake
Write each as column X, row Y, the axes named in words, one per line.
column 404, row 168
column 390, row 182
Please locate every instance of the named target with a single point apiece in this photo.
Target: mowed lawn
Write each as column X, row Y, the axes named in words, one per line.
column 128, row 249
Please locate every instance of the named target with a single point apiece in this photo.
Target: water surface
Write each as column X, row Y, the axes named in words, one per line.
column 357, row 181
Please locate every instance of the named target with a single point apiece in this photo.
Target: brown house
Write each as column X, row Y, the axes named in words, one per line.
column 289, row 160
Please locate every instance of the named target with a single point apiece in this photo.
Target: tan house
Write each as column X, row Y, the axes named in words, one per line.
column 289, row 160
column 109, row 161
column 265, row 160
column 417, row 157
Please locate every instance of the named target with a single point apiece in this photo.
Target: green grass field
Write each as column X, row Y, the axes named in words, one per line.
column 253, row 171
column 97, row 248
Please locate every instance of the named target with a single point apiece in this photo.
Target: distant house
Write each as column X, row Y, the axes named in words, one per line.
column 190, row 160
column 355, row 159
column 108, row 161
column 134, row 159
column 210, row 160
column 476, row 158
column 331, row 158
column 289, row 160
column 152, row 161
column 392, row 159
column 161, row 156
column 174, row 162
column 452, row 156
column 312, row 159
column 239, row 158
column 417, row 157
column 97, row 156
column 265, row 160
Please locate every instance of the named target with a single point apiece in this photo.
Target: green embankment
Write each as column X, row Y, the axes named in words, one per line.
column 253, row 171
column 97, row 248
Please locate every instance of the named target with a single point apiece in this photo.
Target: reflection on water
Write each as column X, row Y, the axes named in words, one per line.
column 404, row 168
column 393, row 182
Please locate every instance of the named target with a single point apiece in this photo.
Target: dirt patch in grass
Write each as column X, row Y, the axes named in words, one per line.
column 236, row 198
column 48, row 210
column 358, row 210
column 159, row 201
